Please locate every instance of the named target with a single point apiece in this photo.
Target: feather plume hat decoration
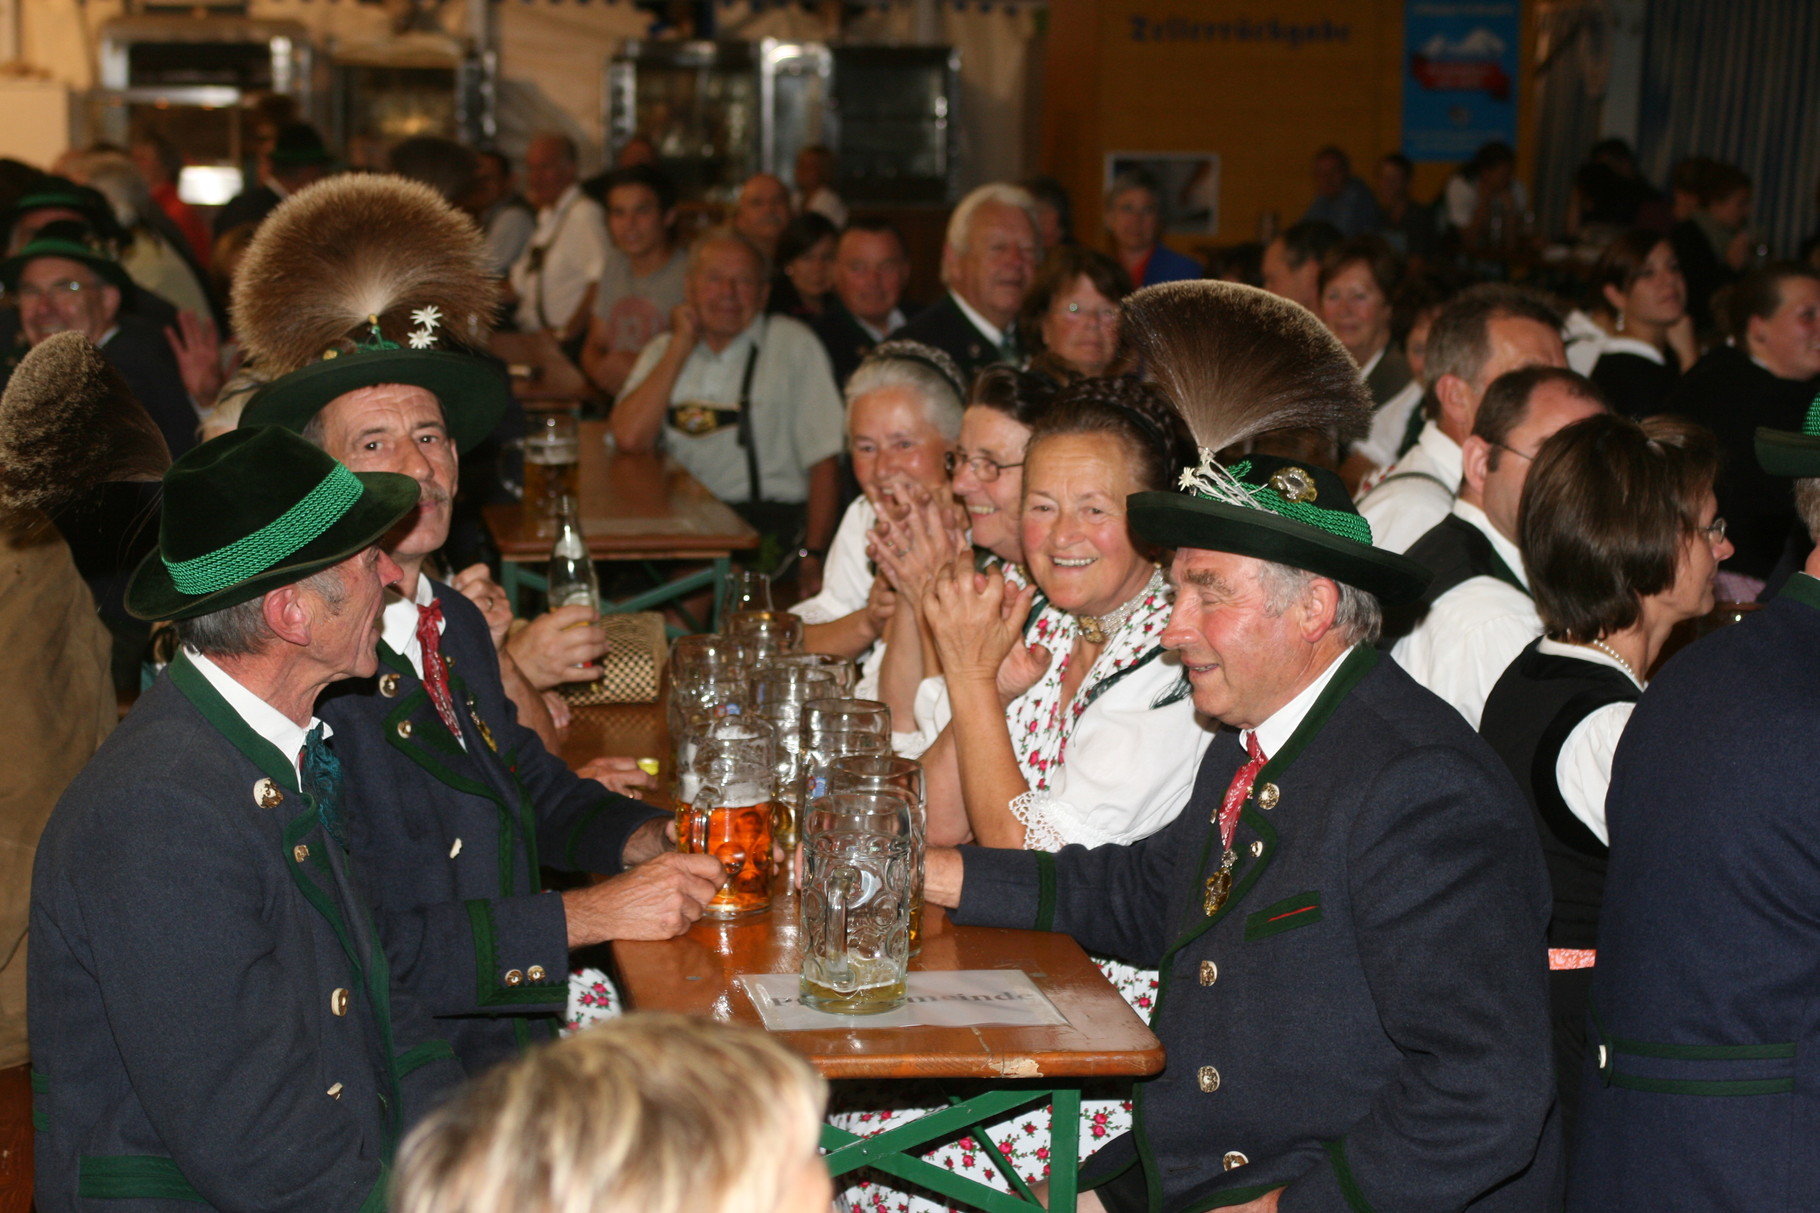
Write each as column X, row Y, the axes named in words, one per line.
column 1239, row 362
column 68, row 423
column 363, row 279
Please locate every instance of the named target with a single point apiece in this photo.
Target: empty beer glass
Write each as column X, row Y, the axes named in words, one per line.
column 840, row 667
column 889, row 773
column 778, row 694
column 856, row 903
column 729, row 814
column 766, row 633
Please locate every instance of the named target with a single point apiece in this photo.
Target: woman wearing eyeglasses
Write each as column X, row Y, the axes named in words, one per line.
column 1069, row 322
column 1621, row 537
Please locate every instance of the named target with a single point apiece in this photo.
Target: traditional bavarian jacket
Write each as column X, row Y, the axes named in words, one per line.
column 451, row 835
column 213, row 1019
column 1364, row 1018
column 1702, row 1077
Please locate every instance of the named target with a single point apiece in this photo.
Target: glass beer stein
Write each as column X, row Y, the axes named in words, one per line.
column 889, row 773
column 729, row 812
column 856, row 902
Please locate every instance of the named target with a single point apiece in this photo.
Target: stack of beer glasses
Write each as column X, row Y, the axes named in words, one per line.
column 707, row 676
column 836, row 728
column 779, row 691
column 744, row 591
column 766, row 634
column 730, row 810
column 856, row 901
column 842, row 668
column 903, row 776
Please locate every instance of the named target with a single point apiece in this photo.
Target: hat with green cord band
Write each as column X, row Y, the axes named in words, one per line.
column 364, row 280
column 68, row 240
column 1788, row 453
column 253, row 510
column 1242, row 364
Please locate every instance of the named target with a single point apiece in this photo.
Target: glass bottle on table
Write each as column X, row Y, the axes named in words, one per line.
column 571, row 577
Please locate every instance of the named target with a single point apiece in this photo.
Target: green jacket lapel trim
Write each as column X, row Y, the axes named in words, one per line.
column 1353, row 667
column 133, row 1177
column 1803, row 589
column 263, row 754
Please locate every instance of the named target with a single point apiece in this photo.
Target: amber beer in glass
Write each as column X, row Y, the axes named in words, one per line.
column 552, row 462
column 728, row 814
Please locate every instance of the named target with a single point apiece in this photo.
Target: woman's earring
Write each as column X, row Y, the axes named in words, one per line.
column 1620, row 320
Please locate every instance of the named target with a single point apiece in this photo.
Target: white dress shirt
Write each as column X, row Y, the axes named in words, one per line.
column 573, row 235
column 260, row 716
column 1474, row 631
column 993, row 332
column 1388, row 425
column 1274, row 733
column 1416, row 494
column 1583, row 768
column 398, row 627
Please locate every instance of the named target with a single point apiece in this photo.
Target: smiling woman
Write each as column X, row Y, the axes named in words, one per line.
column 1078, row 728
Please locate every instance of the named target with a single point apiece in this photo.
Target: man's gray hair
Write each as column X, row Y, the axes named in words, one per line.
column 241, row 630
column 1459, row 342
column 960, row 223
column 1358, row 618
column 924, row 370
column 1807, row 505
column 725, row 234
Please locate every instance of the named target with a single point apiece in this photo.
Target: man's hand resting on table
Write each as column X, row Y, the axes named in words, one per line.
column 658, row 899
column 552, row 649
column 622, row 775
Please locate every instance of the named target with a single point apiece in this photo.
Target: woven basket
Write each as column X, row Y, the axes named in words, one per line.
column 633, row 667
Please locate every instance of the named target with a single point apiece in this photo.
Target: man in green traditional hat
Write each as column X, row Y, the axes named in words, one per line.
column 212, row 1017
column 1346, row 916
column 464, row 805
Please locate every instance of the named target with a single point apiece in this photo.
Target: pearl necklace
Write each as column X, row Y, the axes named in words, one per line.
column 1098, row 629
column 1616, row 656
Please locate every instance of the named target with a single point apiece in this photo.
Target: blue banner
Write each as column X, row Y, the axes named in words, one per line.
column 1459, row 76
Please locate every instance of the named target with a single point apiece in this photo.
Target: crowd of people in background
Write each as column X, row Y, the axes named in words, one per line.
column 1566, row 447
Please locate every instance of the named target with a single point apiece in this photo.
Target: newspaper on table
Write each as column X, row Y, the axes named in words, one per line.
column 951, row 999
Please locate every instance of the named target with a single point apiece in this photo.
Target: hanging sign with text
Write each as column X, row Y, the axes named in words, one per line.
column 1459, row 76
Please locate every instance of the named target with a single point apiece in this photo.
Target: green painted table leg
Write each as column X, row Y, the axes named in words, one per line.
column 1064, row 1150
column 508, row 581
column 722, row 565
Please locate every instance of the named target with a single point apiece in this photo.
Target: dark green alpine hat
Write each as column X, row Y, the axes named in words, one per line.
column 253, row 510
column 473, row 391
column 1276, row 509
column 1786, row 453
column 73, row 242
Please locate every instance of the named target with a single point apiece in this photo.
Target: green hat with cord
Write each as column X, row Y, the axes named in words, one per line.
column 253, row 510
column 1787, row 453
column 72, row 241
column 1277, row 509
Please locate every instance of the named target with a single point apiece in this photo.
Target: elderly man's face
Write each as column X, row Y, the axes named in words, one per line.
column 869, row 273
column 763, row 211
column 725, row 290
column 995, row 269
column 59, row 296
column 396, row 428
column 344, row 633
column 1242, row 662
column 548, row 172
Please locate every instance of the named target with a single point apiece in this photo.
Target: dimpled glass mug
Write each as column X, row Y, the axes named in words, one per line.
column 729, row 814
column 856, row 902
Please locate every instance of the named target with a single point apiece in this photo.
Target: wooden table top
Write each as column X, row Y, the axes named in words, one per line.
column 697, row 974
column 540, row 371
column 632, row 506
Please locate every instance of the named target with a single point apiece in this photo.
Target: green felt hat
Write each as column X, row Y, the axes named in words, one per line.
column 473, row 391
column 72, row 242
column 253, row 510
column 1786, row 453
column 1279, row 510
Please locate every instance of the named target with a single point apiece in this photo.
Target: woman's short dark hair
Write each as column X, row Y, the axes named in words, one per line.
column 1759, row 294
column 1023, row 396
column 1720, row 181
column 1131, row 410
column 1621, row 263
column 1606, row 511
column 803, row 233
column 1373, row 252
column 1059, row 270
